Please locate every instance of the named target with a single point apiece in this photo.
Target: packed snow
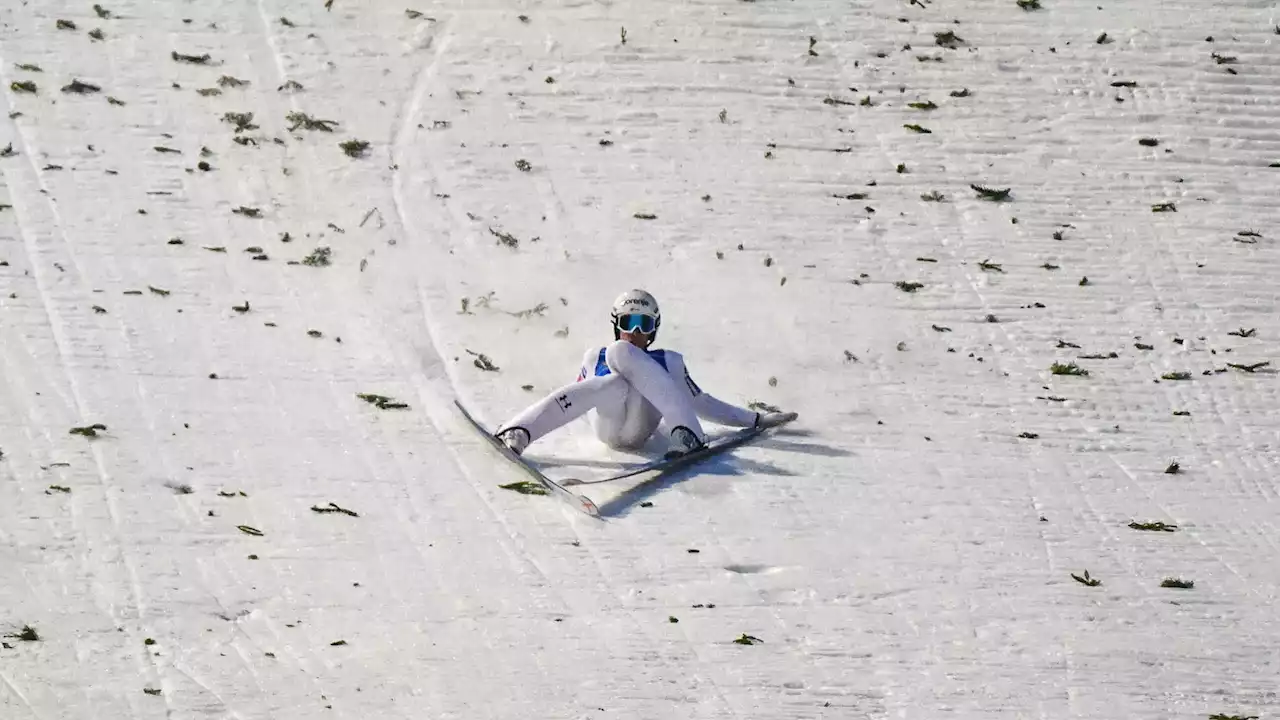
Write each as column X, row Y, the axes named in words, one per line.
column 1014, row 263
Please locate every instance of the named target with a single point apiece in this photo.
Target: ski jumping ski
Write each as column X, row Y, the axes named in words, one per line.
column 582, row 502
column 664, row 465
column 654, row 468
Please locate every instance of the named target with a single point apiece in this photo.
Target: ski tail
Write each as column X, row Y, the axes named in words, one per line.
column 582, row 502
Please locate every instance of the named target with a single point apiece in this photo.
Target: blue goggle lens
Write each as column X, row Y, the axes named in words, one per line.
column 636, row 322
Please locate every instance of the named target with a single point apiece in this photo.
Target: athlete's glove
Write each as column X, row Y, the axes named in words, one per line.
column 774, row 419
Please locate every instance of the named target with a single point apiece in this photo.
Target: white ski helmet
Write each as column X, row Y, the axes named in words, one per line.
column 636, row 302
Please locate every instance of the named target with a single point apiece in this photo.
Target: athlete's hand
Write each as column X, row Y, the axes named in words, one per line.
column 774, row 419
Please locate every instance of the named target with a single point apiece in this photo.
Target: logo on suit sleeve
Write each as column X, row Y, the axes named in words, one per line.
column 563, row 402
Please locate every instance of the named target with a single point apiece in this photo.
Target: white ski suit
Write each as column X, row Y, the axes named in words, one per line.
column 633, row 391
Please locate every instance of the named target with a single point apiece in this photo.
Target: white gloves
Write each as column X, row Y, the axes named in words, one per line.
column 774, row 419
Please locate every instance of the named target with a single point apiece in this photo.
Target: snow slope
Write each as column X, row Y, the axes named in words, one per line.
column 905, row 551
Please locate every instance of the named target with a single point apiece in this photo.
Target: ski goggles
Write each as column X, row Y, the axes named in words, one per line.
column 636, row 322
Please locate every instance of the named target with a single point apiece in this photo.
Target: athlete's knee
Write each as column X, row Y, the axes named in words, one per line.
column 620, row 352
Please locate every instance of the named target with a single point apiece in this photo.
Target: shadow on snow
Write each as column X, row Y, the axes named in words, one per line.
column 727, row 466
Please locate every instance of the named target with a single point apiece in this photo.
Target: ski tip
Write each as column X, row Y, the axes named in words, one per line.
column 570, row 482
column 588, row 507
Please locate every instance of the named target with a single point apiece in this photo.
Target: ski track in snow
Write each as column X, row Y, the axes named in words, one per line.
column 901, row 551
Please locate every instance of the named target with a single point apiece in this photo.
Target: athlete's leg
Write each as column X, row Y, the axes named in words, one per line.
column 651, row 380
column 627, row 424
column 568, row 403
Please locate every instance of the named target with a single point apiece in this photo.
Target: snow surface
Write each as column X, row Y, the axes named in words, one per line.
column 901, row 552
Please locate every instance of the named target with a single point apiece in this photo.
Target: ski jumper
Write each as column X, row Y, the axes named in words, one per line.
column 633, row 392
